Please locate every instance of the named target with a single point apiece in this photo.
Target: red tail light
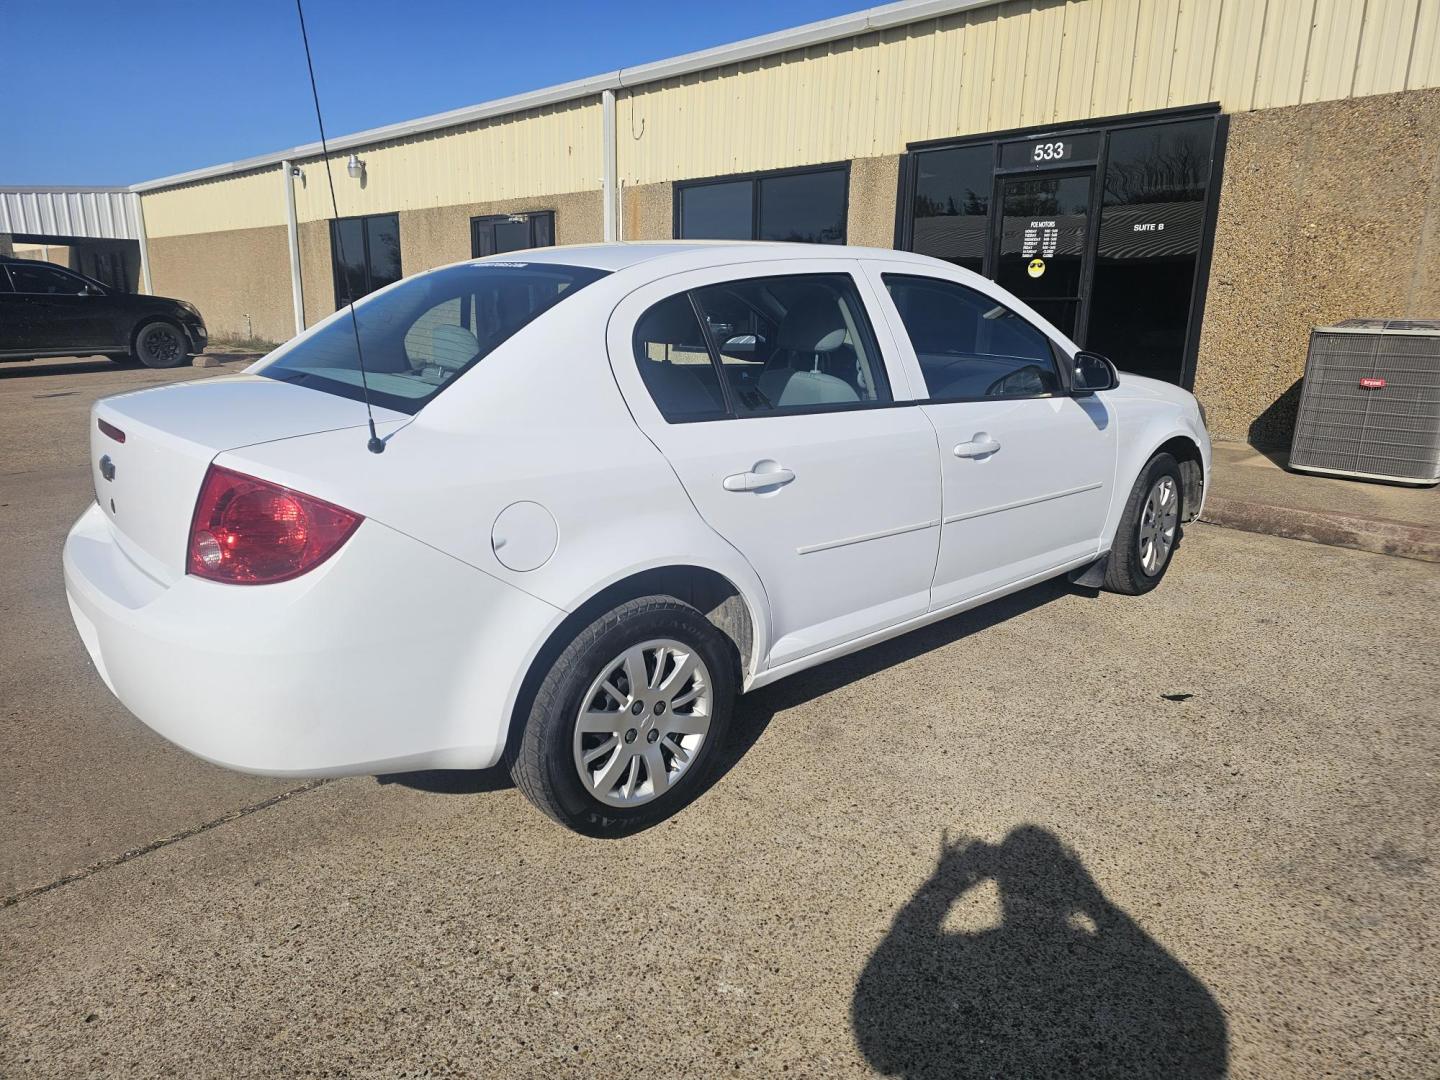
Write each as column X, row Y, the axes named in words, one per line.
column 250, row 532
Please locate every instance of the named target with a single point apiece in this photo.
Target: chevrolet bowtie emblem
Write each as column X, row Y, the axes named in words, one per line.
column 107, row 468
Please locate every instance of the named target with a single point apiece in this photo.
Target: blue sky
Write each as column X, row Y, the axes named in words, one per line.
column 118, row 91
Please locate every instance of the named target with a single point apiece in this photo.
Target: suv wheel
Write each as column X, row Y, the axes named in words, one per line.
column 625, row 726
column 1149, row 529
column 160, row 345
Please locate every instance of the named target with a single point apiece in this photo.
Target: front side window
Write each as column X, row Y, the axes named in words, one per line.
column 805, row 206
column 765, row 346
column 969, row 346
column 419, row 336
column 366, row 255
column 45, row 280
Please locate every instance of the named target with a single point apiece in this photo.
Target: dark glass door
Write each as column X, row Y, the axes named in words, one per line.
column 365, row 254
column 494, row 234
column 1044, row 243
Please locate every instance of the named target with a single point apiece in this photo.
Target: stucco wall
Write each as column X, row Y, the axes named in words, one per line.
column 870, row 221
column 1328, row 211
column 649, row 212
column 228, row 275
column 441, row 235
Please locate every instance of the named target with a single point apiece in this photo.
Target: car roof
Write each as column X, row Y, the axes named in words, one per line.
column 622, row 255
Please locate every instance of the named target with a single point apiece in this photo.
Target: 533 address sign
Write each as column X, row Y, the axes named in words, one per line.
column 1049, row 151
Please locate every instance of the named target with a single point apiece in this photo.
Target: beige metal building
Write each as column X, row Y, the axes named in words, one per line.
column 1188, row 185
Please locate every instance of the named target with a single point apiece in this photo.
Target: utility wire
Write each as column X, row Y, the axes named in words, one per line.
column 376, row 444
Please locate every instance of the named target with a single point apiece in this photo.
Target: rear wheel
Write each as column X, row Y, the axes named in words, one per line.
column 624, row 729
column 160, row 345
column 1149, row 529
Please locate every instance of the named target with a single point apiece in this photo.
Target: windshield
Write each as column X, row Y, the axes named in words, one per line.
column 422, row 334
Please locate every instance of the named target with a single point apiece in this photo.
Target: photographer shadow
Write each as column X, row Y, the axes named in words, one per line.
column 1064, row 985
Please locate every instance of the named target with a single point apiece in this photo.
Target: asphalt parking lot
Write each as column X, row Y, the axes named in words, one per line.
column 1191, row 835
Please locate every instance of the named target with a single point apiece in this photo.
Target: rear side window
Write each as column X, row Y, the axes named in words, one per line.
column 969, row 346
column 796, row 343
column 44, row 279
column 428, row 330
column 674, row 361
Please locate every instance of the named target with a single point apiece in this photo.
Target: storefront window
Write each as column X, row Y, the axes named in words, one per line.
column 952, row 204
column 805, row 206
column 1099, row 228
column 1152, row 220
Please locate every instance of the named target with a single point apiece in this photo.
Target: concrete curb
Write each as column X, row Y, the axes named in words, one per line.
column 1383, row 537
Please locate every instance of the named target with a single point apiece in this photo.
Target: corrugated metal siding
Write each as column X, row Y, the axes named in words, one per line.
column 100, row 215
column 249, row 200
column 1021, row 64
column 543, row 152
column 1016, row 64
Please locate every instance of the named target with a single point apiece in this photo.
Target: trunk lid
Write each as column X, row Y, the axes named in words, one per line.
column 147, row 485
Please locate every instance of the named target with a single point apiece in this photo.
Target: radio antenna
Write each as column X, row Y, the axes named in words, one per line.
column 376, row 445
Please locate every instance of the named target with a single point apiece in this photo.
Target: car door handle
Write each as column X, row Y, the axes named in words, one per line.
column 979, row 446
column 758, row 481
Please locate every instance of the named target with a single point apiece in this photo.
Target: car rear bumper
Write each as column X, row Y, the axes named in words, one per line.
column 389, row 656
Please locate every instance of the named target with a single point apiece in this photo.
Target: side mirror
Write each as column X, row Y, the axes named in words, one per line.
column 1092, row 372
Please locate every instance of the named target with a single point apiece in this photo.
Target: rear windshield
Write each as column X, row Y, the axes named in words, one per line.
column 422, row 334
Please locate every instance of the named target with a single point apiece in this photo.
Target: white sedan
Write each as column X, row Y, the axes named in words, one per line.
column 620, row 485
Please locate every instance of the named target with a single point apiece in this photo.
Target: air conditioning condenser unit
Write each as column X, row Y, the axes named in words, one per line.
column 1370, row 404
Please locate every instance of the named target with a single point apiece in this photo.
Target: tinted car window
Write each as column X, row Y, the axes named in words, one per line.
column 793, row 342
column 426, row 331
column 44, row 279
column 674, row 361
column 968, row 345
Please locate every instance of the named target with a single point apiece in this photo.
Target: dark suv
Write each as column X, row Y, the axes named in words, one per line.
column 48, row 311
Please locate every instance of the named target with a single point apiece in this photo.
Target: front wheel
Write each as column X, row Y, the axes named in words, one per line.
column 1149, row 529
column 160, row 345
column 626, row 725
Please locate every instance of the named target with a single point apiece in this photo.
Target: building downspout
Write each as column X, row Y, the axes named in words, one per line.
column 609, row 184
column 145, row 283
column 292, row 234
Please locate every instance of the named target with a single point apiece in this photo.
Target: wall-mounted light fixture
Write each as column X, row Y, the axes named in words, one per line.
column 295, row 170
column 355, row 167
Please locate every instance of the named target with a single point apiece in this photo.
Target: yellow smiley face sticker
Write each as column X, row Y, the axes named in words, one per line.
column 1036, row 267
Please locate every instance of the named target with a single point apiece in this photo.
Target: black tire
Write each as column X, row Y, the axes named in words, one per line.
column 159, row 344
column 1125, row 572
column 543, row 761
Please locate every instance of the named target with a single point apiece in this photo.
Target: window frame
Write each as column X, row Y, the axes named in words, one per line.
column 755, row 179
column 1058, row 358
column 865, row 325
column 335, row 267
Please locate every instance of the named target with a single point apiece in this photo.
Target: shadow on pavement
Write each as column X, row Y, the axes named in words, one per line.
column 1051, row 981
column 754, row 711
column 34, row 369
column 452, row 781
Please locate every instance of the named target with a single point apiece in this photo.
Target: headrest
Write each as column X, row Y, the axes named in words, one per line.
column 812, row 325
column 452, row 346
column 671, row 322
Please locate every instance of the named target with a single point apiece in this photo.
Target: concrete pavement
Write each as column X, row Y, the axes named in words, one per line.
column 1188, row 834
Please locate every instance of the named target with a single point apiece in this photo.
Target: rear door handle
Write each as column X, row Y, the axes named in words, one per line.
column 979, row 446
column 758, row 481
